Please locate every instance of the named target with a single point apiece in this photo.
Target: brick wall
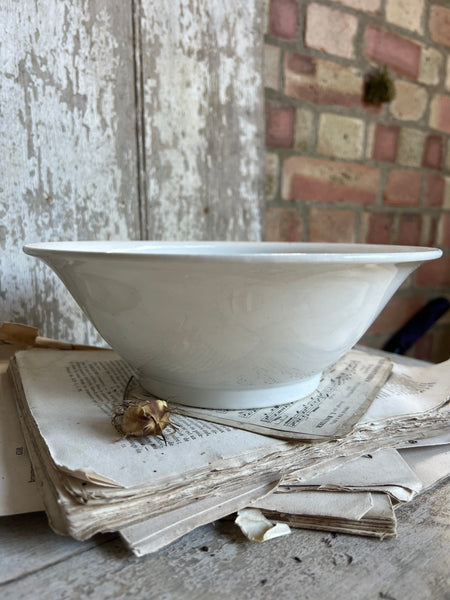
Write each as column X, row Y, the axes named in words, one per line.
column 340, row 170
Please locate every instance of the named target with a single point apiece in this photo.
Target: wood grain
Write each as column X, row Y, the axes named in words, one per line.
column 215, row 561
column 203, row 132
column 122, row 120
column 28, row 545
column 68, row 150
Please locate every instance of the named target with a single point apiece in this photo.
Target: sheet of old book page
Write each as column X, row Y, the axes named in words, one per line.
column 174, row 511
column 395, row 391
column 19, row 492
column 18, row 488
column 352, row 498
column 344, row 394
column 71, row 397
column 67, row 393
column 78, row 391
column 379, row 521
column 319, row 503
column 155, row 533
column 381, row 471
column 430, row 463
column 411, row 390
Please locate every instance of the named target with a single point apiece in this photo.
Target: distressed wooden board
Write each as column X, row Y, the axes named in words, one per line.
column 201, row 91
column 123, row 120
column 28, row 544
column 68, row 152
column 215, row 561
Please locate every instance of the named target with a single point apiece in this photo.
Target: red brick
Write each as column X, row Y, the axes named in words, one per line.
column 439, row 24
column 435, row 188
column 440, row 113
column 409, row 230
column 434, row 273
column 321, row 81
column 402, row 188
column 283, row 18
column 429, row 235
column 444, row 230
column 319, row 95
column 433, row 152
column 330, row 225
column 398, row 53
column 280, row 126
column 444, row 114
column 378, row 228
column 298, row 63
column 283, row 225
column 312, row 179
column 396, row 313
column 386, row 142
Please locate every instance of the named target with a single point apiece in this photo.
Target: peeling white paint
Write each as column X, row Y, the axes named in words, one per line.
column 203, row 104
column 70, row 132
column 62, row 175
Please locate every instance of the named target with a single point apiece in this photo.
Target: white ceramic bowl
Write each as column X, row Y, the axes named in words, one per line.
column 231, row 324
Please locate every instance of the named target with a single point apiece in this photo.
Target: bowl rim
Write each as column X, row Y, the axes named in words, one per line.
column 236, row 251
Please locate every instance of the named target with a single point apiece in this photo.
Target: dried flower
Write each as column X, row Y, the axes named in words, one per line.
column 139, row 417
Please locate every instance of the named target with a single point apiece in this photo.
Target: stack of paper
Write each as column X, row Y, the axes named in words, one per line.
column 292, row 462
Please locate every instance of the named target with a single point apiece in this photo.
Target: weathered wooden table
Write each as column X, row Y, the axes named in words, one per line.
column 215, row 561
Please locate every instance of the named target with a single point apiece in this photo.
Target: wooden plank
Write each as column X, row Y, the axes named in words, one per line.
column 201, row 92
column 216, row 562
column 68, row 122
column 28, row 545
column 68, row 152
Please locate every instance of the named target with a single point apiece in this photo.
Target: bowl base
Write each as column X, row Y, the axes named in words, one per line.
column 231, row 399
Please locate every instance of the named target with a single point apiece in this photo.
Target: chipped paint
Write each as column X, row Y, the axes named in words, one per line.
column 70, row 133
column 68, row 147
column 201, row 72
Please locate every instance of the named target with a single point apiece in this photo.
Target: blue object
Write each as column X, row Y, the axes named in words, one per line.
column 419, row 324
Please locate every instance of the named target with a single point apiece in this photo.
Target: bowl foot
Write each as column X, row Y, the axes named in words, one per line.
column 232, row 399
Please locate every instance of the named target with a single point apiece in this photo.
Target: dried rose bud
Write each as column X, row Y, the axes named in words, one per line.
column 145, row 418
column 140, row 413
column 148, row 418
